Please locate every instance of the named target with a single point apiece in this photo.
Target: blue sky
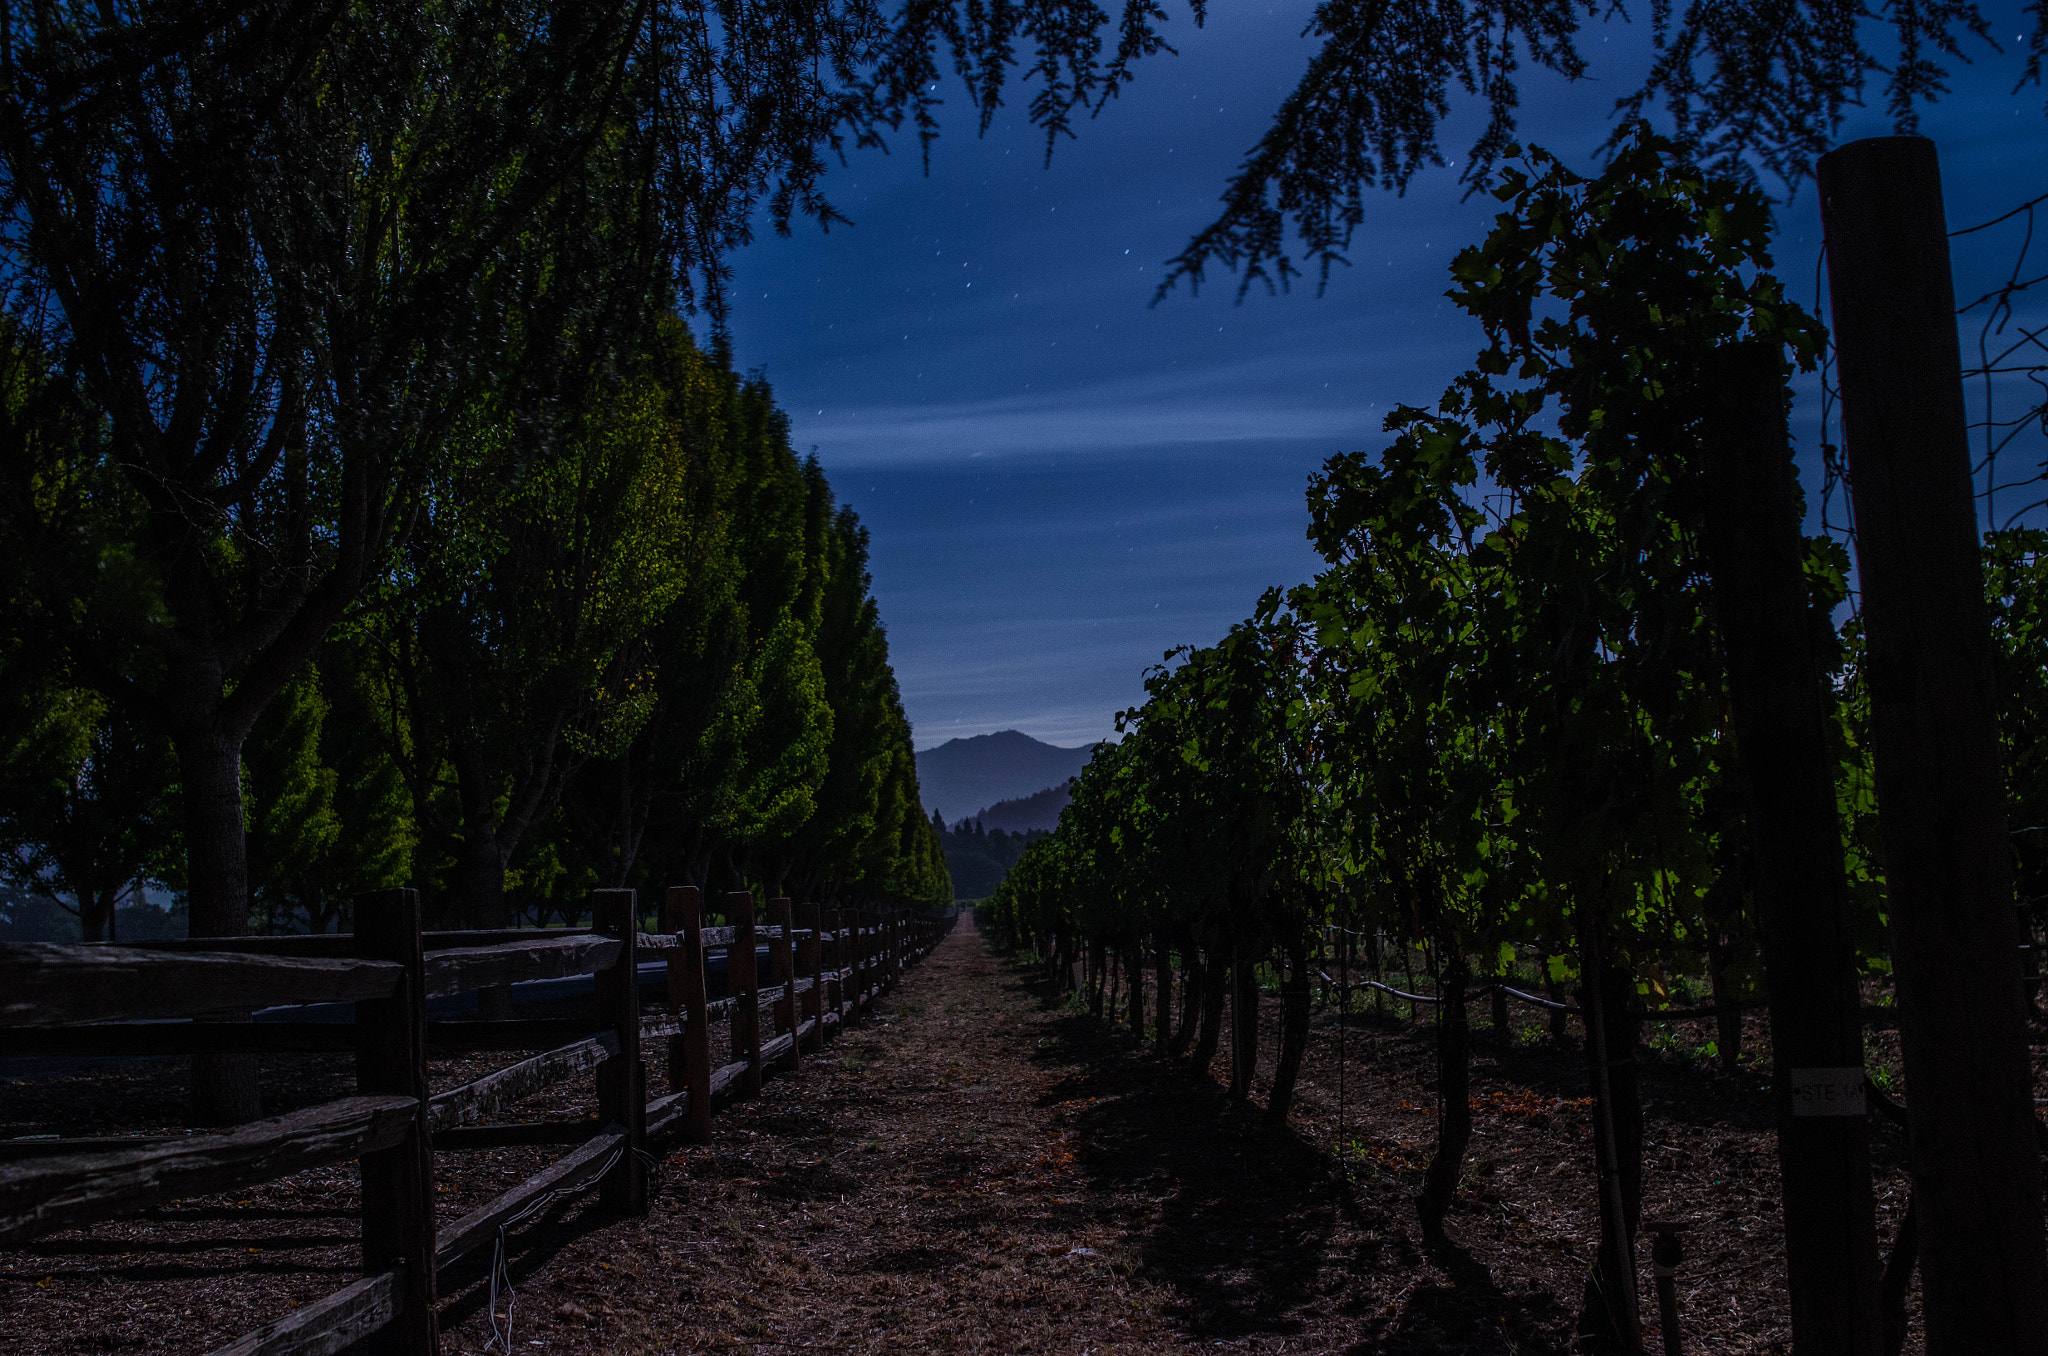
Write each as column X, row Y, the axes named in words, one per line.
column 1064, row 480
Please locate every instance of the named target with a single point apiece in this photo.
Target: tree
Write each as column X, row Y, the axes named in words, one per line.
column 1367, row 111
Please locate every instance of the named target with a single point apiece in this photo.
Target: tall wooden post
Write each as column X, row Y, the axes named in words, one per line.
column 782, row 973
column 1760, row 606
column 744, row 983
column 1940, row 787
column 689, row 1051
column 398, row 1183
column 622, row 1079
column 810, row 966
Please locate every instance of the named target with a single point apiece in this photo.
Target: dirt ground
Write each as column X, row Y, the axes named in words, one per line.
column 981, row 1167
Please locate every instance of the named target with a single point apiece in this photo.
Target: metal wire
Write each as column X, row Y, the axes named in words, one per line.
column 501, row 1277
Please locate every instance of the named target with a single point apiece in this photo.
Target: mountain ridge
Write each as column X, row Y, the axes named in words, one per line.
column 1022, row 814
column 961, row 776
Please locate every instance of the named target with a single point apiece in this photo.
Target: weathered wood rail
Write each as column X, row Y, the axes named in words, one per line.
column 825, row 968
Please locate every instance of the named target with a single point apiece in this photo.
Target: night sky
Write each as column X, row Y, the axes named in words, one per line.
column 1064, row 480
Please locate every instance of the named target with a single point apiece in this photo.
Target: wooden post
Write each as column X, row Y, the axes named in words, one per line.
column 398, row 1183
column 1940, row 788
column 851, row 920
column 829, row 955
column 810, row 965
column 864, row 961
column 782, row 972
column 689, row 1051
column 743, row 980
column 883, row 918
column 842, row 960
column 885, row 951
column 622, row 1079
column 1788, row 775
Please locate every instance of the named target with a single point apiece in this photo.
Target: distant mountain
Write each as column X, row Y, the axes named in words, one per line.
column 1041, row 811
column 961, row 776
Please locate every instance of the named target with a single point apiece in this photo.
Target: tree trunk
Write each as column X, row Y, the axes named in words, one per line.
column 96, row 912
column 1608, row 1317
column 1727, row 1019
column 1373, row 953
column 1453, row 1100
column 1215, row 988
column 1163, row 990
column 216, row 845
column 483, row 870
column 483, row 879
column 1193, row 984
column 1244, row 1024
column 1501, row 1031
column 1294, row 1015
column 1553, row 989
column 223, row 1088
column 1096, row 978
column 1136, row 968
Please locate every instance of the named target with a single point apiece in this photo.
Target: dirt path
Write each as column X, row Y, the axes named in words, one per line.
column 917, row 1188
column 979, row 1169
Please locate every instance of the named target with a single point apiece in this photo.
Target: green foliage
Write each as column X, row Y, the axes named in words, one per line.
column 978, row 860
column 1498, row 719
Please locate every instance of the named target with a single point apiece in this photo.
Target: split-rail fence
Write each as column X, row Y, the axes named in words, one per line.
column 825, row 967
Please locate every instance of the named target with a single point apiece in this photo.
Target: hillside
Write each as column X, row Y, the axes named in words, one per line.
column 1026, row 813
column 961, row 776
column 978, row 861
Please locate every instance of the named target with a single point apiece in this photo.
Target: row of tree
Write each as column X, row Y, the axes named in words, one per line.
column 1500, row 724
column 642, row 651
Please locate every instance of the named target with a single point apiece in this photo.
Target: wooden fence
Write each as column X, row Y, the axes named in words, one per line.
column 825, row 967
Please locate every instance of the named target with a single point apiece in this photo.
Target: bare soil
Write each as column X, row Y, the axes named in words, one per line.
column 982, row 1167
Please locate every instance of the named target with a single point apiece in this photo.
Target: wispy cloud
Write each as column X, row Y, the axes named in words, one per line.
column 1124, row 416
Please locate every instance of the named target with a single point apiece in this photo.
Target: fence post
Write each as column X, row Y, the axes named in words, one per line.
column 689, row 1051
column 782, row 972
column 836, row 990
column 864, row 951
column 743, row 982
column 810, row 965
column 1934, row 724
column 1754, row 554
column 398, row 1183
column 621, row 1080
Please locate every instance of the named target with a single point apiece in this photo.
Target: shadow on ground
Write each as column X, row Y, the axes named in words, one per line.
column 1252, row 1229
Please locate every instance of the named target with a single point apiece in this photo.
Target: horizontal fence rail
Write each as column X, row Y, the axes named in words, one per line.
column 823, row 970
